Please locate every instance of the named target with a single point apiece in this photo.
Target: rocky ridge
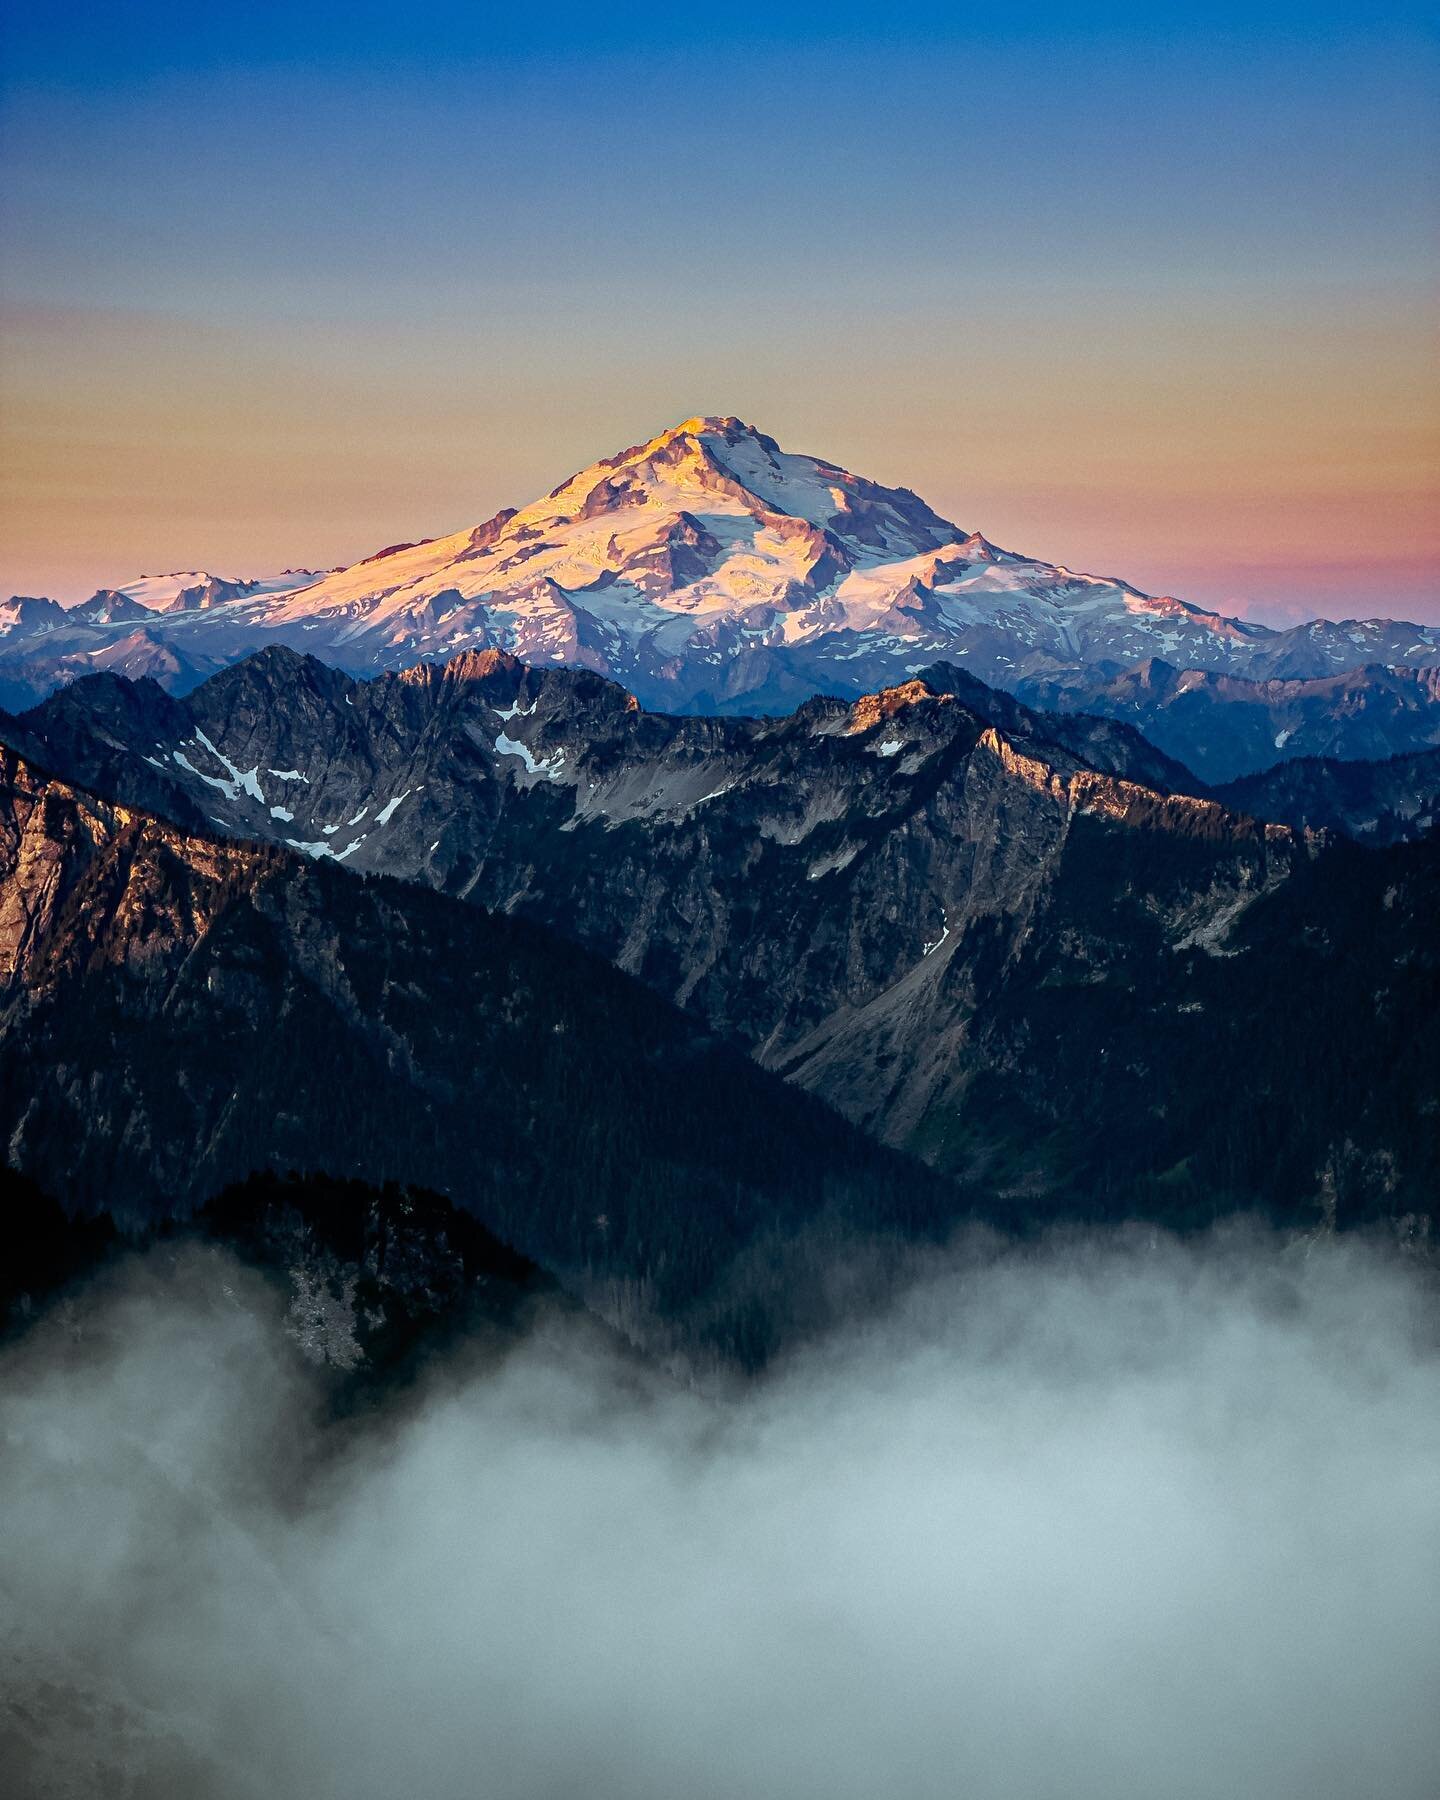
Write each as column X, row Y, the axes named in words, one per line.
column 178, row 1011
column 1033, row 966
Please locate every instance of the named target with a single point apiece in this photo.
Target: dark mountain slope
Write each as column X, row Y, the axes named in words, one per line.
column 1373, row 802
column 1109, row 745
column 179, row 1012
column 376, row 1281
column 1289, row 1061
column 770, row 874
column 926, row 917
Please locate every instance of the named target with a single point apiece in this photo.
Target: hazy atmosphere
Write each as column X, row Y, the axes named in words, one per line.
column 1114, row 1517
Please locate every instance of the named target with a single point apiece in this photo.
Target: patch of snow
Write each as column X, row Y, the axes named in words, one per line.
column 890, row 747
column 315, row 850
column 289, row 775
column 360, row 815
column 515, row 711
column 549, row 766
column 282, row 813
column 227, row 788
column 160, row 590
column 387, row 811
column 925, row 949
column 248, row 779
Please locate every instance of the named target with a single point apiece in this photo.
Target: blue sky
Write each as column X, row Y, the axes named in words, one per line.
column 1145, row 289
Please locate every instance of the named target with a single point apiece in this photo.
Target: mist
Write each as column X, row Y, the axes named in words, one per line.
column 1117, row 1516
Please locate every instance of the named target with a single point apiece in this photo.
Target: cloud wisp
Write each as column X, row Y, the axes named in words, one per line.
column 1115, row 1518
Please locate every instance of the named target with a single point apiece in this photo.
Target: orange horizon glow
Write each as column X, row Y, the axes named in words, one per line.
column 294, row 300
column 134, row 446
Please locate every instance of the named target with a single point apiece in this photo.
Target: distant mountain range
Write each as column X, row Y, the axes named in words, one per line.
column 1224, row 726
column 709, row 571
column 1026, row 948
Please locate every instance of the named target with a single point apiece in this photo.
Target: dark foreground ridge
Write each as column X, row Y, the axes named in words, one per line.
column 377, row 1283
column 180, row 1012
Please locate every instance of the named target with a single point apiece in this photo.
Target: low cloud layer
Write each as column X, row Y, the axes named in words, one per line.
column 1116, row 1519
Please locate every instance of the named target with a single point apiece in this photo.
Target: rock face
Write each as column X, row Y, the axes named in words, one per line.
column 377, row 1280
column 24, row 616
column 1005, row 941
column 709, row 571
column 179, row 1011
column 764, row 873
column 1223, row 726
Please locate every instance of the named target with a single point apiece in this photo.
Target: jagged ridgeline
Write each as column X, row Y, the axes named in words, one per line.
column 1029, row 948
column 180, row 1011
column 711, row 571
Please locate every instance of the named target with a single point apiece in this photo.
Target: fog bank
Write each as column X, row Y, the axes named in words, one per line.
column 1119, row 1518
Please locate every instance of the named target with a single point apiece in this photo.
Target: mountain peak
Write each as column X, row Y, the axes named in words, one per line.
column 724, row 425
column 692, row 444
column 714, row 425
column 705, row 567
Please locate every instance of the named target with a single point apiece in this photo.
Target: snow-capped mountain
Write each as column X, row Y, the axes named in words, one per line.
column 26, row 616
column 123, row 629
column 184, row 590
column 710, row 571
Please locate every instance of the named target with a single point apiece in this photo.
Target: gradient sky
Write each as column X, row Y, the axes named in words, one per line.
column 1150, row 292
